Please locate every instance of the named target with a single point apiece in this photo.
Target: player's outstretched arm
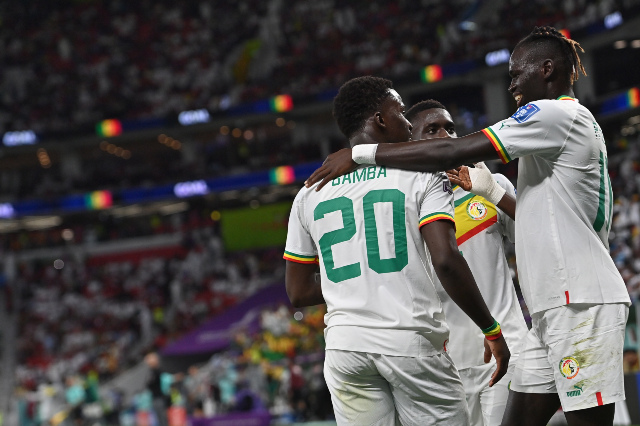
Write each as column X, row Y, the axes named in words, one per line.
column 303, row 284
column 458, row 282
column 428, row 155
column 432, row 155
column 480, row 181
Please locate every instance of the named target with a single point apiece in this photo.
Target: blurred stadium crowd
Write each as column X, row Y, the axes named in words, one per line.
column 162, row 58
column 86, row 321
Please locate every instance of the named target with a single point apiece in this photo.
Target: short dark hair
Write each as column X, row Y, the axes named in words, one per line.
column 423, row 106
column 357, row 100
column 548, row 39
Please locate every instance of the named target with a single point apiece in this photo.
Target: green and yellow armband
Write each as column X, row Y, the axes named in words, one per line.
column 494, row 332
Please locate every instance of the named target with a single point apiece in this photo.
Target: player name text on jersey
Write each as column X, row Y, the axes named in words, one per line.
column 361, row 175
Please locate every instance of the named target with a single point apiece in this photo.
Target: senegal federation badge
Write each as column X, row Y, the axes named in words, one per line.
column 569, row 367
column 477, row 210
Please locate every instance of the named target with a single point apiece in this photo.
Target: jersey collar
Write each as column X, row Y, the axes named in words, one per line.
column 565, row 98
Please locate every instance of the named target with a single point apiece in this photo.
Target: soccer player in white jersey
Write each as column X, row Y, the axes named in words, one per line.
column 481, row 226
column 386, row 361
column 578, row 301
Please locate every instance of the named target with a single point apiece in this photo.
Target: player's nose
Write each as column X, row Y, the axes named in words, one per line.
column 442, row 133
column 408, row 123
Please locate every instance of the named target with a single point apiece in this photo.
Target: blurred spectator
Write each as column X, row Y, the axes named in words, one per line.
column 75, row 397
column 158, row 384
column 630, row 361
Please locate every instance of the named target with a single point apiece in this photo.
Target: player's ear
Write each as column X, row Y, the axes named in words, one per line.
column 548, row 66
column 379, row 120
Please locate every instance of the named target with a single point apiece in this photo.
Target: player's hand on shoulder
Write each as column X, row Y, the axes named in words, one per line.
column 337, row 164
column 500, row 351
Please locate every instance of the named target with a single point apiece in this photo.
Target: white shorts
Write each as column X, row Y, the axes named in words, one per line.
column 576, row 352
column 373, row 389
column 486, row 404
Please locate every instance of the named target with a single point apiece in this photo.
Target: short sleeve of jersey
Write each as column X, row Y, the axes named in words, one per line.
column 538, row 128
column 508, row 225
column 437, row 203
column 299, row 247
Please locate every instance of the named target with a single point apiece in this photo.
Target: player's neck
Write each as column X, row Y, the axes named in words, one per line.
column 365, row 137
column 555, row 93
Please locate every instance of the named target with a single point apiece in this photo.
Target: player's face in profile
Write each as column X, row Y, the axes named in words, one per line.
column 527, row 81
column 398, row 127
column 433, row 123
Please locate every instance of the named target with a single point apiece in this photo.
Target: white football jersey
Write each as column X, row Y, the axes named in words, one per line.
column 480, row 231
column 376, row 273
column 563, row 206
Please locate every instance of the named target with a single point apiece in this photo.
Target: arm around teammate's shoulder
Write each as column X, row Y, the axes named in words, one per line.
column 436, row 154
column 421, row 156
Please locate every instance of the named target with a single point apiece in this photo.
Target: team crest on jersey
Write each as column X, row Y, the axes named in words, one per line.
column 569, row 367
column 525, row 112
column 477, row 210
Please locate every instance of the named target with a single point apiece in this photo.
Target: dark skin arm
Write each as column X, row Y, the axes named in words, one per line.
column 508, row 205
column 460, row 177
column 303, row 284
column 457, row 280
column 427, row 155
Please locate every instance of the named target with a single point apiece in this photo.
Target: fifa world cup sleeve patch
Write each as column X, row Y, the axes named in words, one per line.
column 298, row 258
column 525, row 112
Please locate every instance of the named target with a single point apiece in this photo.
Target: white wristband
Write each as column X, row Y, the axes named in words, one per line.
column 364, row 153
column 484, row 185
column 495, row 194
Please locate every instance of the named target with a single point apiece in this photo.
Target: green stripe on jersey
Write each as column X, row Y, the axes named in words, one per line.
column 610, row 202
column 463, row 199
column 599, row 222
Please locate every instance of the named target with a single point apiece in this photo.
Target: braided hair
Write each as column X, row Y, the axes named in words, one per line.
column 549, row 37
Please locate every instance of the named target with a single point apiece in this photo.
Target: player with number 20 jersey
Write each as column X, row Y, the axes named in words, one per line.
column 376, row 275
column 378, row 283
